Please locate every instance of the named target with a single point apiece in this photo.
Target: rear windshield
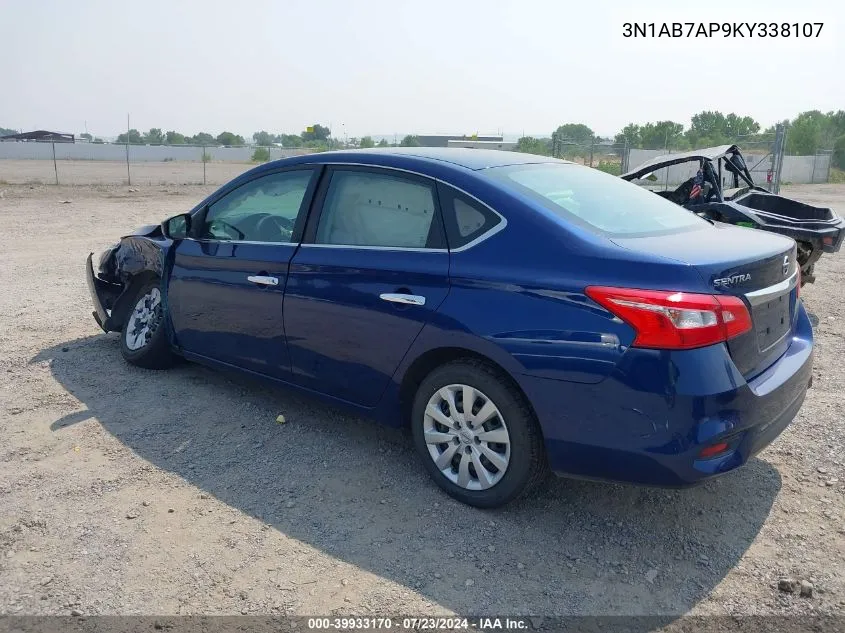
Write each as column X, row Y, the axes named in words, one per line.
column 596, row 200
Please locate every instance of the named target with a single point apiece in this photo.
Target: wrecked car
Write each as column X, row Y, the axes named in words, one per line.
column 816, row 230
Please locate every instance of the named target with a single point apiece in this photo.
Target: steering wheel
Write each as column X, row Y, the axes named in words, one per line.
column 273, row 226
column 233, row 232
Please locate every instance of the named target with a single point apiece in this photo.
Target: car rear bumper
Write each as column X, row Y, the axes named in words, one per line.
column 648, row 422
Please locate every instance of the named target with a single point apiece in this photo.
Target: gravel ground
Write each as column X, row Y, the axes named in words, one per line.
column 125, row 491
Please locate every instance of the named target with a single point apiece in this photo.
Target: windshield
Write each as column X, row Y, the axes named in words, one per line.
column 596, row 200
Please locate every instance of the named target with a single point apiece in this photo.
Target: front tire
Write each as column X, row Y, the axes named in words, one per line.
column 143, row 340
column 476, row 434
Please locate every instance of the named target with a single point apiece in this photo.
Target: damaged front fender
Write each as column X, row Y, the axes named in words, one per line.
column 136, row 257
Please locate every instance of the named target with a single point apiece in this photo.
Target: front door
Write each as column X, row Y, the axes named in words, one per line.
column 226, row 288
column 372, row 269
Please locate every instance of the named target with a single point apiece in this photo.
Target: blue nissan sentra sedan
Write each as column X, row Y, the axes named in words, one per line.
column 520, row 314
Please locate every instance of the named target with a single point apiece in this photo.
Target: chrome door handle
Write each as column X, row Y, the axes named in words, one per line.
column 411, row 300
column 263, row 280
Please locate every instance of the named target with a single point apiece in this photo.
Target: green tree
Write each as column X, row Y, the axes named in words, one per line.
column 662, row 134
column 411, row 140
column 86, row 136
column 174, row 138
column 736, row 126
column 833, row 127
column 133, row 137
column 203, row 138
column 228, row 138
column 813, row 130
column 6, row 131
column 383, row 143
column 531, row 145
column 366, row 142
column 290, row 140
column 154, row 137
column 711, row 127
column 573, row 132
column 804, row 135
column 263, row 138
column 261, row 155
column 708, row 124
column 629, row 135
column 317, row 133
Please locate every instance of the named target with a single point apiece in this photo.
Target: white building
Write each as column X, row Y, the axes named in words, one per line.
column 503, row 145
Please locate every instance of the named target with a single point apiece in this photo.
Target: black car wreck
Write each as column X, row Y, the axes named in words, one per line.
column 816, row 230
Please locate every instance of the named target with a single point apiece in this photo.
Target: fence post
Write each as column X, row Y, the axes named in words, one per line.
column 55, row 168
column 128, row 174
column 778, row 150
column 202, row 158
column 592, row 147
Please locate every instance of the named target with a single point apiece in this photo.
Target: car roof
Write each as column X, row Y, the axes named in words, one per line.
column 666, row 160
column 474, row 159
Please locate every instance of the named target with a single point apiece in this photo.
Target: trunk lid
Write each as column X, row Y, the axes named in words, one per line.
column 759, row 267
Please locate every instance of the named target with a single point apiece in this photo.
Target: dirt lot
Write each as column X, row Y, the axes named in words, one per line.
column 126, row 491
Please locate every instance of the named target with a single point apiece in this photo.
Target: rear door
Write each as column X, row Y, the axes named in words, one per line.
column 227, row 284
column 372, row 269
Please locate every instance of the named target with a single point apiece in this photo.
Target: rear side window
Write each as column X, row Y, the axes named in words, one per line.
column 595, row 200
column 466, row 219
column 378, row 209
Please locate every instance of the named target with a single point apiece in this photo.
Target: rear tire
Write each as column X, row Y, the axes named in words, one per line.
column 488, row 455
column 143, row 340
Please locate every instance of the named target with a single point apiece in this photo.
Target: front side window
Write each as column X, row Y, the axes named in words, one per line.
column 595, row 200
column 377, row 209
column 262, row 210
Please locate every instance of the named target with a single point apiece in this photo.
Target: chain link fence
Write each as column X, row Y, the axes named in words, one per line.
column 84, row 163
column 764, row 154
column 88, row 163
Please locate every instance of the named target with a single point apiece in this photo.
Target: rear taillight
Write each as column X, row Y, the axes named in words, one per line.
column 713, row 450
column 675, row 320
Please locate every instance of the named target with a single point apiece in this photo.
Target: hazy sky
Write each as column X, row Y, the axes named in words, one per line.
column 402, row 66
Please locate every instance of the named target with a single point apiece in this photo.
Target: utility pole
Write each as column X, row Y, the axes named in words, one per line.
column 128, row 175
column 55, row 169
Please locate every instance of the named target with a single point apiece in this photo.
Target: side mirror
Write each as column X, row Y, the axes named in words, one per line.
column 177, row 227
